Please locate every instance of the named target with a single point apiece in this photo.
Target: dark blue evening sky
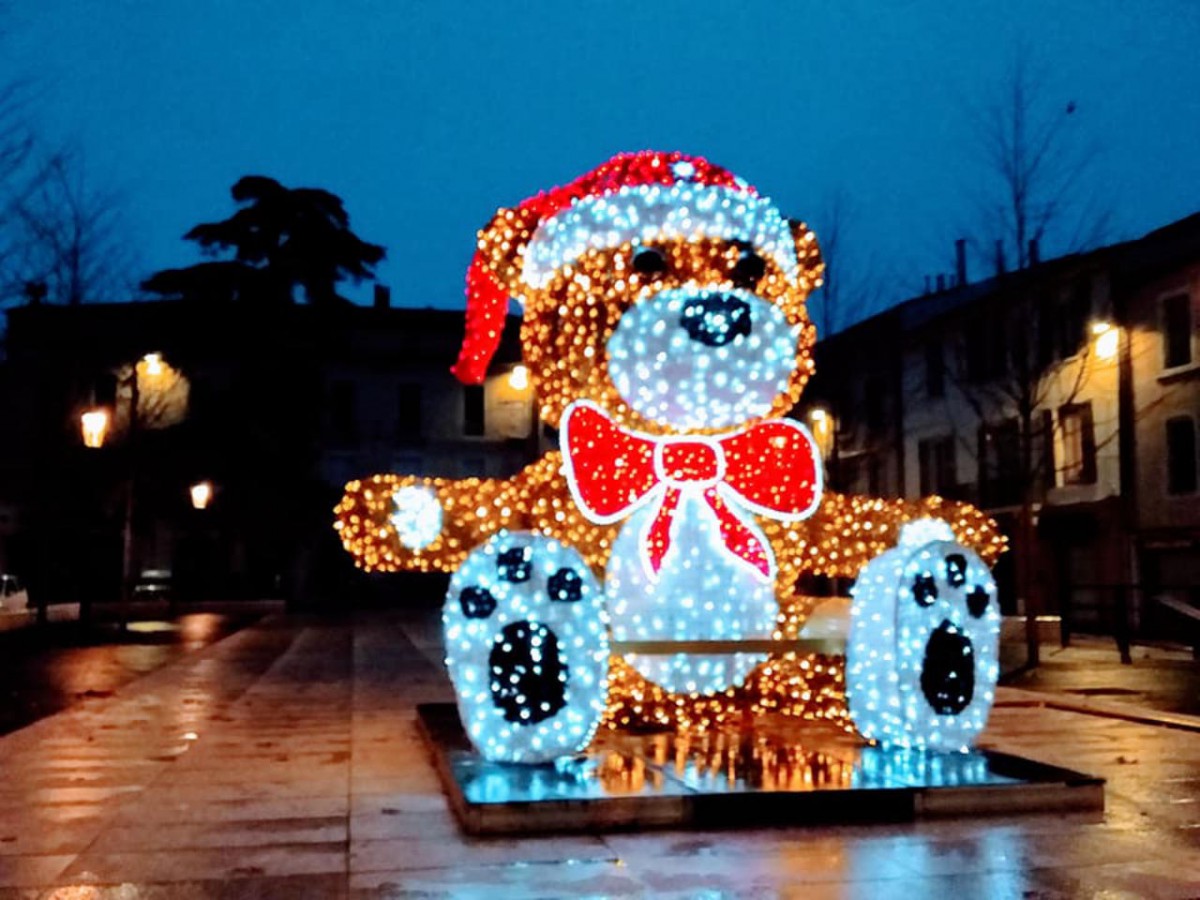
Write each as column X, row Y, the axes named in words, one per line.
column 425, row 117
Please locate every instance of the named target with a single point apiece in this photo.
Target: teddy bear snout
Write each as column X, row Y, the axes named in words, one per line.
column 716, row 319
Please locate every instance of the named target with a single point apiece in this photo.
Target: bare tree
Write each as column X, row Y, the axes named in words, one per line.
column 1025, row 353
column 1017, row 360
column 850, row 290
column 1036, row 179
column 69, row 236
column 18, row 173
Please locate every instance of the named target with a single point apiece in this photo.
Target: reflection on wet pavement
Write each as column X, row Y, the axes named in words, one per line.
column 45, row 670
column 285, row 762
column 778, row 771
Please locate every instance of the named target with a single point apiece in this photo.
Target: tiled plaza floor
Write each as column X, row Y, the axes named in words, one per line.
column 284, row 762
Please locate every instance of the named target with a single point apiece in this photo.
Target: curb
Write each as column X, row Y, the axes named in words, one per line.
column 1027, row 698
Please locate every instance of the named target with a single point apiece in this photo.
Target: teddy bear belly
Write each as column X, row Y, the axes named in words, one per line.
column 701, row 593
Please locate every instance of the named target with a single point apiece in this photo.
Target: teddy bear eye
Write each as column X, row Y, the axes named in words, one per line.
column 649, row 261
column 748, row 270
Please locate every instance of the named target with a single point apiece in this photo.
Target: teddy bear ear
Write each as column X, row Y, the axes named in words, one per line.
column 808, row 255
column 501, row 247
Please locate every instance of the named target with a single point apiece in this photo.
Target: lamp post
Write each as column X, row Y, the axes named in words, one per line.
column 95, row 430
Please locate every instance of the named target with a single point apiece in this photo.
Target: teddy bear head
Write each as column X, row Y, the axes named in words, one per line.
column 658, row 286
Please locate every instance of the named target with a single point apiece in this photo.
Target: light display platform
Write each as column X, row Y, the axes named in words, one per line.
column 773, row 771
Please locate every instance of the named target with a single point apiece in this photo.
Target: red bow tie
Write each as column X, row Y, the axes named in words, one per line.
column 770, row 468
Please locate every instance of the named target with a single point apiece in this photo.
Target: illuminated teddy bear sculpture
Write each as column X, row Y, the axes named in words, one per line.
column 666, row 334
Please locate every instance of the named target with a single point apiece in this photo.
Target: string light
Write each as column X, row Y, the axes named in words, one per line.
column 665, row 331
column 921, row 663
column 527, row 648
column 418, row 516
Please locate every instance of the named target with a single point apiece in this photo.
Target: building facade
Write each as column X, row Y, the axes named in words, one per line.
column 276, row 409
column 1063, row 399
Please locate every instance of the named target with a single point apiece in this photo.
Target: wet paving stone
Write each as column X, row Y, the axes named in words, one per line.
column 284, row 761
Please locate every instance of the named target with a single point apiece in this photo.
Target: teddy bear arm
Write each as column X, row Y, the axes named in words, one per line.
column 408, row 523
column 848, row 531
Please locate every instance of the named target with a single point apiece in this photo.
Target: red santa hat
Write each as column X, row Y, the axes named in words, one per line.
column 634, row 196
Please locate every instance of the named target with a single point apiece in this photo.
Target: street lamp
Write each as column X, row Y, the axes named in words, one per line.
column 202, row 492
column 821, row 423
column 518, row 378
column 1107, row 338
column 94, row 426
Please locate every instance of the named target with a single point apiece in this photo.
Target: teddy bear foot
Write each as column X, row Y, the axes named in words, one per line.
column 527, row 648
column 922, row 657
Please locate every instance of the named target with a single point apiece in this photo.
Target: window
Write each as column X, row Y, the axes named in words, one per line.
column 1079, row 444
column 873, row 392
column 408, row 412
column 1177, row 331
column 935, row 369
column 975, row 340
column 473, row 422
column 343, row 411
column 939, row 473
column 1000, row 464
column 986, row 344
column 1181, row 455
column 861, row 473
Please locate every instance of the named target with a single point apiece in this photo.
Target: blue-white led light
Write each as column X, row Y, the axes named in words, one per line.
column 921, row 662
column 418, row 516
column 527, row 648
column 682, row 211
column 701, row 593
column 661, row 370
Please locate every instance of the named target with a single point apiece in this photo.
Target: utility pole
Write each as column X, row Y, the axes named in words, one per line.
column 127, row 561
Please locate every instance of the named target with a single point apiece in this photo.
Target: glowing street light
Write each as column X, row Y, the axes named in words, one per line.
column 153, row 364
column 1107, row 337
column 202, row 493
column 821, row 423
column 518, row 378
column 158, row 377
column 93, row 425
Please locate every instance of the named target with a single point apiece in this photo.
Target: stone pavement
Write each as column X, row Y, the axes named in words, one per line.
column 1089, row 672
column 284, row 762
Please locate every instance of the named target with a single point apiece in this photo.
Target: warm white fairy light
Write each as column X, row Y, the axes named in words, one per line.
column 665, row 301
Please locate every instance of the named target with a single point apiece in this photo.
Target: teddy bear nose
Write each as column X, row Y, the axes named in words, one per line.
column 716, row 319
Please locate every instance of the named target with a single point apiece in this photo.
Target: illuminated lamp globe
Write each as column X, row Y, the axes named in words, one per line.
column 202, row 493
column 93, row 426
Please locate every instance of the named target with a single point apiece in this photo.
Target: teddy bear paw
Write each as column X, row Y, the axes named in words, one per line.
column 527, row 648
column 922, row 657
column 417, row 517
